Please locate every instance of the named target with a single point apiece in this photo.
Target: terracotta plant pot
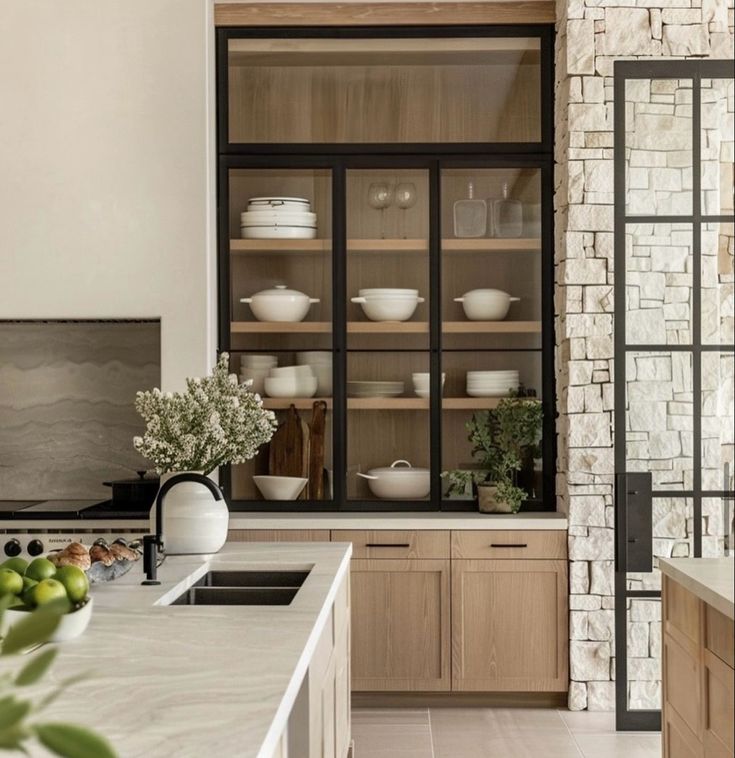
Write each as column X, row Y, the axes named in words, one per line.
column 487, row 498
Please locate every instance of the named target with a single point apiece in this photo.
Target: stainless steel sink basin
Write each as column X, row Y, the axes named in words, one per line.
column 244, row 588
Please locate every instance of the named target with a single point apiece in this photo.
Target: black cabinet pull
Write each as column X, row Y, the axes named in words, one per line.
column 510, row 544
column 387, row 544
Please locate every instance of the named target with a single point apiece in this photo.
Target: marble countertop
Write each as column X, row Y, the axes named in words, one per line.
column 192, row 681
column 710, row 579
column 326, row 520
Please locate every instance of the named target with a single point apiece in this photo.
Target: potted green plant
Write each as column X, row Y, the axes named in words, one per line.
column 502, row 439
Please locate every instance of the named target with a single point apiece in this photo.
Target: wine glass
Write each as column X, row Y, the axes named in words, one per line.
column 405, row 199
column 380, row 196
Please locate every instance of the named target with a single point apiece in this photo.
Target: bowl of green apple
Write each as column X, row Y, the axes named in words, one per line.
column 40, row 584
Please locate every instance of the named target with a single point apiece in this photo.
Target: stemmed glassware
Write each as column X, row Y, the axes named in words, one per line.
column 405, row 199
column 380, row 196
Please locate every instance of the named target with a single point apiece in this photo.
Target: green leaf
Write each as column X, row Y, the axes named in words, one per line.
column 70, row 741
column 12, row 711
column 36, row 668
column 34, row 629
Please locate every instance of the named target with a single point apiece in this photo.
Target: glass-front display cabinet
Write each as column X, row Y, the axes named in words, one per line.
column 385, row 258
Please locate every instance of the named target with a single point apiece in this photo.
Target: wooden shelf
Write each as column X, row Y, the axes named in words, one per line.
column 385, row 403
column 385, row 327
column 450, row 245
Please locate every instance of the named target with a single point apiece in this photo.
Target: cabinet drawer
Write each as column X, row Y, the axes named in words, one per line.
column 391, row 544
column 278, row 535
column 719, row 635
column 499, row 544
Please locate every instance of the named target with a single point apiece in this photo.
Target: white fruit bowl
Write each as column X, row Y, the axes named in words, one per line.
column 70, row 626
column 280, row 487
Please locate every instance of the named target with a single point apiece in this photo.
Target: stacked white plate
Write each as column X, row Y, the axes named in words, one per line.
column 278, row 218
column 320, row 363
column 255, row 368
column 491, row 383
column 375, row 389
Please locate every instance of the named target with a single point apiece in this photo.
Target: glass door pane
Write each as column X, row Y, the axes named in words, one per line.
column 491, row 312
column 387, row 330
column 281, row 340
column 410, row 90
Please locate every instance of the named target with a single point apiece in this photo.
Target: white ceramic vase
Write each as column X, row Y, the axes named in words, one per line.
column 193, row 521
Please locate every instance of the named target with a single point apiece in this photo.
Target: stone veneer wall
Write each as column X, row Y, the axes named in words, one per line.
column 591, row 35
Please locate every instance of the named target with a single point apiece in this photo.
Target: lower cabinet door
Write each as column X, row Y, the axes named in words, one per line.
column 400, row 625
column 509, row 625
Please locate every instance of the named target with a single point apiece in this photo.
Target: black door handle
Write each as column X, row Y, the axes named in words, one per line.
column 387, row 544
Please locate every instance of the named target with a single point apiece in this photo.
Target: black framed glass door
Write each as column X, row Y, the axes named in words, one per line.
column 674, row 347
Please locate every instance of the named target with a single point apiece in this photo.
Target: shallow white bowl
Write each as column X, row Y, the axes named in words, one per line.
column 303, row 386
column 280, row 487
column 70, row 626
column 384, row 308
column 486, row 304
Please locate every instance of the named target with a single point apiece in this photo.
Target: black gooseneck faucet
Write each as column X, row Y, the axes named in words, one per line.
column 152, row 543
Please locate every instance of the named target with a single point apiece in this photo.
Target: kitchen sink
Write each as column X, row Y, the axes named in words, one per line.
column 244, row 588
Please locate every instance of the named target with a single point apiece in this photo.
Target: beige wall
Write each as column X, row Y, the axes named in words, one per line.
column 106, row 178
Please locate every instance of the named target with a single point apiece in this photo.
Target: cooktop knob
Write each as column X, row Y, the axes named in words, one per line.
column 35, row 547
column 12, row 548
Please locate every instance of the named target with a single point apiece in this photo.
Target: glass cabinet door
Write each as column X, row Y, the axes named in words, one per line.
column 491, row 312
column 388, row 306
column 280, row 322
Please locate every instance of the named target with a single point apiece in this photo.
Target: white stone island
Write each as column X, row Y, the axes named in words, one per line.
column 200, row 681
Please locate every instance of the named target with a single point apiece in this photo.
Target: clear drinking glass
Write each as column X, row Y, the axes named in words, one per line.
column 405, row 199
column 380, row 196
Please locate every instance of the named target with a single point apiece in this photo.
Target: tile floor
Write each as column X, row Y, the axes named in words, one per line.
column 495, row 733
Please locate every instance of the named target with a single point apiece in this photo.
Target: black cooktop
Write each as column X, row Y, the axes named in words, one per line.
column 68, row 509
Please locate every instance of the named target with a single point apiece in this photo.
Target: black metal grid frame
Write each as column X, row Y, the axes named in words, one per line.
column 339, row 159
column 694, row 70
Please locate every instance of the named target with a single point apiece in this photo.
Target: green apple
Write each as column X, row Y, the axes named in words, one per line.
column 11, row 582
column 40, row 568
column 75, row 582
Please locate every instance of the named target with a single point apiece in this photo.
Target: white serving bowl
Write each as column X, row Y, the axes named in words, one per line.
column 422, row 382
column 279, row 304
column 486, row 304
column 280, row 487
column 398, row 481
column 278, row 232
column 388, row 308
column 297, row 371
column 71, row 625
column 387, row 291
column 289, row 386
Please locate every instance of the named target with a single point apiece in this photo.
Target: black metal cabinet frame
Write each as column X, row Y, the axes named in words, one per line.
column 433, row 158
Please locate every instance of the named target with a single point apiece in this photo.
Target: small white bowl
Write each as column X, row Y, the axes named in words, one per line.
column 302, row 386
column 387, row 307
column 296, row 371
column 280, row 487
column 71, row 625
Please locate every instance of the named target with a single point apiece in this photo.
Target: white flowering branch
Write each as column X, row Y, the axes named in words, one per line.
column 213, row 422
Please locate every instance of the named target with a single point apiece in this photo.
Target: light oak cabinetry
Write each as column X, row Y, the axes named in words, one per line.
column 698, row 677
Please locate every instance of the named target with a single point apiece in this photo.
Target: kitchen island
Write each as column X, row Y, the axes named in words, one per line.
column 698, row 657
column 209, row 680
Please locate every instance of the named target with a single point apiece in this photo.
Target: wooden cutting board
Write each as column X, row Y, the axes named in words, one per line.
column 287, row 449
column 317, row 432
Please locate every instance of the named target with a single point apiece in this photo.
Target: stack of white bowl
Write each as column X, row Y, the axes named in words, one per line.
column 255, row 368
column 278, row 218
column 492, row 383
column 291, row 381
column 320, row 362
column 421, row 384
column 388, row 303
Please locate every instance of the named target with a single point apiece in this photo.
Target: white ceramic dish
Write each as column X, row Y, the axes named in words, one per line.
column 398, row 481
column 375, row 389
column 473, row 392
column 421, row 384
column 287, row 203
column 486, row 304
column 71, row 625
column 297, row 371
column 277, row 218
column 302, row 386
column 278, row 232
column 279, row 304
column 389, row 291
column 388, row 308
column 280, row 487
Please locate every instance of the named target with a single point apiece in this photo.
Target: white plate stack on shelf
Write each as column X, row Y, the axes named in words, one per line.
column 320, row 363
column 256, row 368
column 492, row 383
column 278, row 218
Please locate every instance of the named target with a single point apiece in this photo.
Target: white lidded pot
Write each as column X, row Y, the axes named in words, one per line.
column 280, row 304
column 195, row 515
column 486, row 304
column 398, row 481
